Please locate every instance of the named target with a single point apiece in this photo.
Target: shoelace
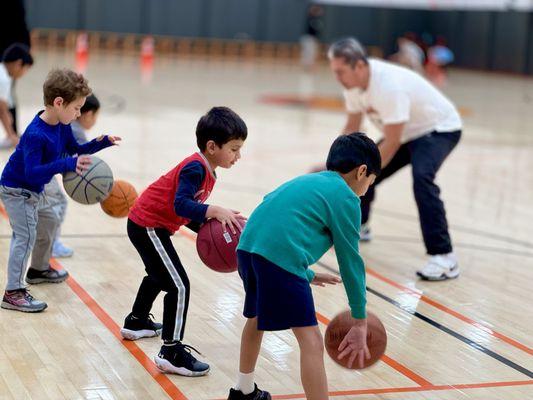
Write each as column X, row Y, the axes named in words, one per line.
column 187, row 353
column 25, row 293
column 151, row 321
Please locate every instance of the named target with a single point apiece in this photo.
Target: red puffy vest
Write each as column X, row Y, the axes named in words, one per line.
column 154, row 208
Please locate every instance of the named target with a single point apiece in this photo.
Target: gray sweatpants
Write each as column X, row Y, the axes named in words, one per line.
column 58, row 200
column 34, row 222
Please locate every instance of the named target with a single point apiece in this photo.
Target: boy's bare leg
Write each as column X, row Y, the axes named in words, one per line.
column 312, row 369
column 250, row 346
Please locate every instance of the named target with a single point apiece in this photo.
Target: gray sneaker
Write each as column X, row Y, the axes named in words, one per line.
column 50, row 275
column 22, row 300
column 366, row 234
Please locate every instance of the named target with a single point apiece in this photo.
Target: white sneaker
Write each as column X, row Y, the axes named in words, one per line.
column 59, row 250
column 440, row 267
column 366, row 234
column 5, row 143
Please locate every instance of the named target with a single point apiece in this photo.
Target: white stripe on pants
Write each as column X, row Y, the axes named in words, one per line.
column 180, row 309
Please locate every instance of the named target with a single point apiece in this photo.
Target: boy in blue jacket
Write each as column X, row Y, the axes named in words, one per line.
column 39, row 156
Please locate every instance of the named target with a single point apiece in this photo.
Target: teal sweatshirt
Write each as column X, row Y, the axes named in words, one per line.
column 299, row 221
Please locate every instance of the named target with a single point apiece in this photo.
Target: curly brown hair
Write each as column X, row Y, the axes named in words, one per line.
column 66, row 84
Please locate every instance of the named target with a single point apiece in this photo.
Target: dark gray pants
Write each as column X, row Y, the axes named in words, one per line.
column 426, row 155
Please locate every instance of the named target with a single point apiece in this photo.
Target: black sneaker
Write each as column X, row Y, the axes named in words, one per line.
column 50, row 275
column 177, row 359
column 136, row 328
column 257, row 394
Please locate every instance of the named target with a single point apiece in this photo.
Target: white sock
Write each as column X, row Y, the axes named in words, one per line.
column 245, row 383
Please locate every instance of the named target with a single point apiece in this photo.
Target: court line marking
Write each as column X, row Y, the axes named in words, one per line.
column 402, row 369
column 411, row 310
column 166, row 384
column 146, row 362
column 169, row 387
column 408, row 389
column 420, row 296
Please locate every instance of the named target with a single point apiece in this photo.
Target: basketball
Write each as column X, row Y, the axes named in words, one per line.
column 376, row 338
column 92, row 186
column 120, row 199
column 218, row 249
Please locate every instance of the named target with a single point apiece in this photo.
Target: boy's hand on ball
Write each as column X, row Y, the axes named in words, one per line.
column 322, row 279
column 226, row 216
column 82, row 164
column 354, row 345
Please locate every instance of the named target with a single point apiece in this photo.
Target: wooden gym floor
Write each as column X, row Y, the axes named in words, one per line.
column 470, row 338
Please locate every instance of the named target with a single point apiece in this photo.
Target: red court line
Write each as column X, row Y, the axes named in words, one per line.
column 409, row 389
column 418, row 294
column 163, row 381
column 166, row 384
column 402, row 369
column 412, row 389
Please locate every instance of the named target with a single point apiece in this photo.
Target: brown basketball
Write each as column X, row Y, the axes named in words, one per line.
column 376, row 338
column 120, row 199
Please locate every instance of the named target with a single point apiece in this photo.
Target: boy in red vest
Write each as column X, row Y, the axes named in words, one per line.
column 176, row 199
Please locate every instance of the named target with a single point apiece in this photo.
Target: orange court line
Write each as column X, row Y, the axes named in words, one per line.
column 447, row 310
column 402, row 369
column 408, row 389
column 412, row 389
column 166, row 384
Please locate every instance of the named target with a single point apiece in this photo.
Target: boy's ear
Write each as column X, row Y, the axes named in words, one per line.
column 210, row 146
column 58, row 101
column 361, row 171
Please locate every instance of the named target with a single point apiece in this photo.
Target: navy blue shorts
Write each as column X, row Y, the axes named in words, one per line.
column 279, row 299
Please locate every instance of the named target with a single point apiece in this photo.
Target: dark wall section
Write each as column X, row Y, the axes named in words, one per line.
column 489, row 40
column 510, row 41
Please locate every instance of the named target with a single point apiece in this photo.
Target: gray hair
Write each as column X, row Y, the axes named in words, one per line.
column 348, row 49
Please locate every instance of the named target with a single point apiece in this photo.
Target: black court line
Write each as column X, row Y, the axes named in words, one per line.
column 413, row 240
column 259, row 191
column 83, row 236
column 441, row 327
column 464, row 229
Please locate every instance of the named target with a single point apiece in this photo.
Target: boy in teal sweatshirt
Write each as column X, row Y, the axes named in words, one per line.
column 289, row 231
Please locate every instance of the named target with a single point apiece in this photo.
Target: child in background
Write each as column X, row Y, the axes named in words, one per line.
column 87, row 119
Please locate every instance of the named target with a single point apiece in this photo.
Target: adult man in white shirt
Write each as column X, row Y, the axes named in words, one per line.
column 420, row 127
column 16, row 60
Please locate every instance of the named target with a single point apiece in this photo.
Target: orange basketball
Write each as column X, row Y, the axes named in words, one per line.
column 376, row 338
column 120, row 199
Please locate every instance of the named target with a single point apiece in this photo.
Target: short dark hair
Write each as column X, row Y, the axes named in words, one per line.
column 351, row 151
column 220, row 125
column 91, row 104
column 18, row 51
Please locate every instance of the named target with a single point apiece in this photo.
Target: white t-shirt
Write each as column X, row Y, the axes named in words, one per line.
column 398, row 95
column 5, row 86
